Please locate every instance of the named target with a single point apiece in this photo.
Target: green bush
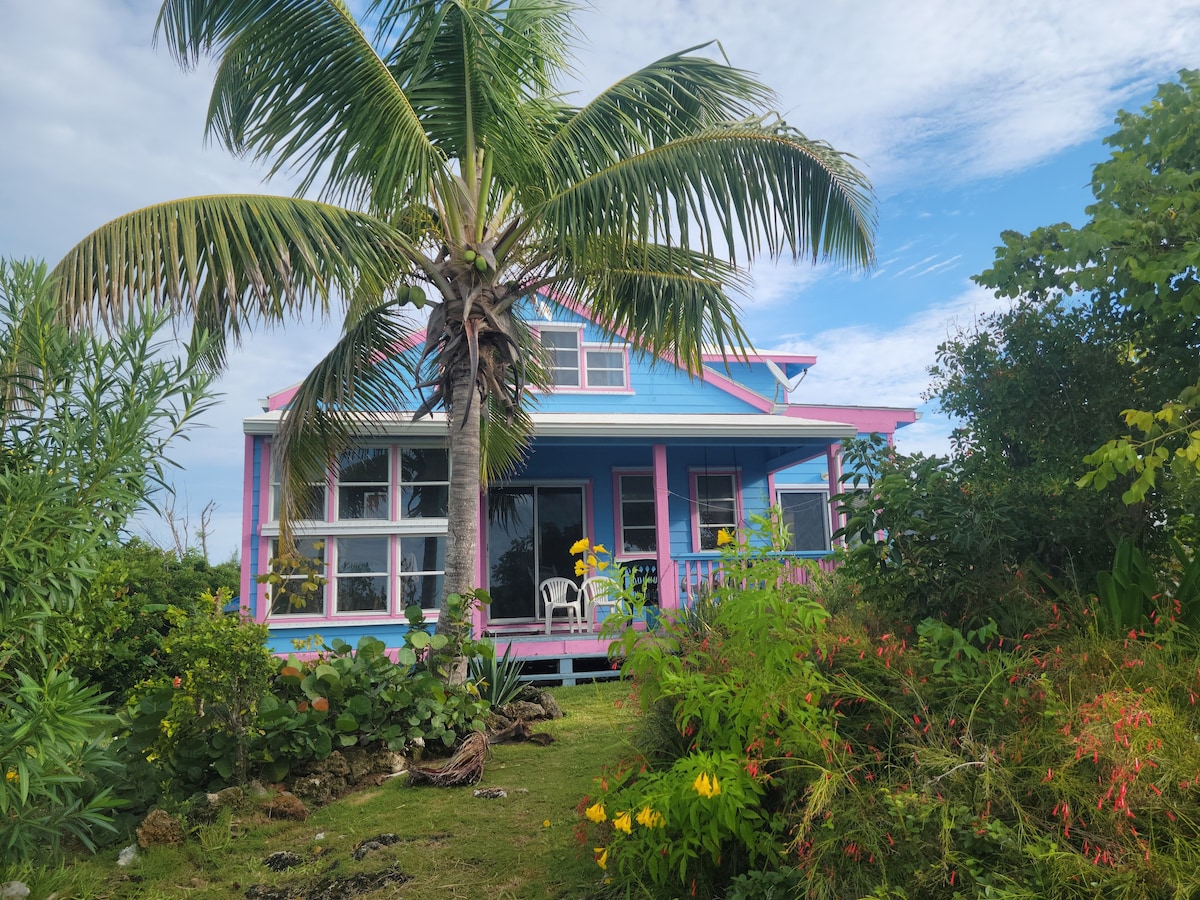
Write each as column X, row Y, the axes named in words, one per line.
column 732, row 702
column 784, row 753
column 140, row 593
column 232, row 711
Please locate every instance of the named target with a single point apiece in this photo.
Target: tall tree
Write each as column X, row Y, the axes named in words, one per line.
column 1139, row 252
column 450, row 168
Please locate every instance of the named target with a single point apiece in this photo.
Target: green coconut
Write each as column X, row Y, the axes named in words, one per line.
column 481, row 264
column 470, row 255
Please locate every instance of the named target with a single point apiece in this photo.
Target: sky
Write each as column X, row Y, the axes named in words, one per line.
column 970, row 117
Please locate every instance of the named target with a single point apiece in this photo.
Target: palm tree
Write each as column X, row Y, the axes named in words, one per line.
column 448, row 167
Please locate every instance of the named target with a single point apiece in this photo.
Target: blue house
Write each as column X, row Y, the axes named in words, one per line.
column 638, row 457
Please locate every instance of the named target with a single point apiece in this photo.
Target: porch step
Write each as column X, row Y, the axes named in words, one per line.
column 567, row 670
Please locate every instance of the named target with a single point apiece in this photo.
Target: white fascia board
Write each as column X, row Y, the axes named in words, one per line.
column 612, row 425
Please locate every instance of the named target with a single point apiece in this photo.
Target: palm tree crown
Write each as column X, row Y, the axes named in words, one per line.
column 450, row 170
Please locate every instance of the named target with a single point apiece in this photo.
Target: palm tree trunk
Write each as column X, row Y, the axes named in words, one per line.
column 462, row 530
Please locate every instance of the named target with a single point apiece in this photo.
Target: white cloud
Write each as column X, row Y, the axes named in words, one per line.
column 864, row 365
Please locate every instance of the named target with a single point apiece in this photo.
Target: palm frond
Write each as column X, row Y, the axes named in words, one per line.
column 228, row 261
column 367, row 374
column 673, row 97
column 754, row 188
column 299, row 84
column 664, row 300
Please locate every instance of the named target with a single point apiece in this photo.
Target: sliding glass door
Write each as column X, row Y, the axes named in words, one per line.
column 530, row 531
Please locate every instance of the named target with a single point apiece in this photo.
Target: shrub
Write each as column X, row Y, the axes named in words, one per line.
column 234, row 711
column 738, row 695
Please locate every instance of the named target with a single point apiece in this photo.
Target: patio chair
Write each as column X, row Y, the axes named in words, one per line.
column 599, row 593
column 561, row 593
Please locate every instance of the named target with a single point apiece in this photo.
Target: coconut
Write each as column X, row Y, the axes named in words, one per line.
column 481, row 264
column 469, row 255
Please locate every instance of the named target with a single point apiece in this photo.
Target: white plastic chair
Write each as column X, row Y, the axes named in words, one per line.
column 555, row 594
column 598, row 593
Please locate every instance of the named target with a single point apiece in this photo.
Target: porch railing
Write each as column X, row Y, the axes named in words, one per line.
column 699, row 572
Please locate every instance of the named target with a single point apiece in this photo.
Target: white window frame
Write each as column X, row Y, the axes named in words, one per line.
column 382, row 496
column 621, row 552
column 698, row 524
column 815, row 489
column 619, row 350
column 338, row 577
column 322, row 594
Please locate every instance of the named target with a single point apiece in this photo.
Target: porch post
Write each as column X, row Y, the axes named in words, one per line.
column 668, row 581
column 833, row 461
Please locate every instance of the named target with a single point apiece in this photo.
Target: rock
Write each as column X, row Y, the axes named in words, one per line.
column 282, row 859
column 524, row 710
column 159, row 828
column 285, row 805
column 547, row 702
column 14, row 890
column 231, row 796
column 127, row 855
column 494, row 722
column 370, row 845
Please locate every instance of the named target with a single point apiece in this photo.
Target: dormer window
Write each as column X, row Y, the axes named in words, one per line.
column 564, row 356
column 581, row 366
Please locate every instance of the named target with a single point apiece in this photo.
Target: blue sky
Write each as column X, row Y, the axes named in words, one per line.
column 969, row 116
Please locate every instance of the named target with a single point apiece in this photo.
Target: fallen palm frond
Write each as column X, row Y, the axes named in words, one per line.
column 464, row 767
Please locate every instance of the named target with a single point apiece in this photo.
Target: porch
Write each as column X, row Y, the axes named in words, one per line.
column 562, row 655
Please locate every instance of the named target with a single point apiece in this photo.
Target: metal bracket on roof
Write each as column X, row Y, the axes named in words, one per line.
column 788, row 384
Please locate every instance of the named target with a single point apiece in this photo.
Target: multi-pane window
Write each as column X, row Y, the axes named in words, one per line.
column 605, row 367
column 298, row 579
column 363, row 476
column 424, row 483
column 563, row 347
column 361, row 580
column 637, row 514
column 422, row 565
column 310, row 504
column 806, row 516
column 716, row 507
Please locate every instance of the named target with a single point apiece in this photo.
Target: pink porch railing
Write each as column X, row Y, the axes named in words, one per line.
column 699, row 572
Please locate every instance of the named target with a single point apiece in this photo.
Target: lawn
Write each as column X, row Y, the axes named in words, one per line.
column 450, row 843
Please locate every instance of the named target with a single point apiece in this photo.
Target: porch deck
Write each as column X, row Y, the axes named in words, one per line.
column 567, row 657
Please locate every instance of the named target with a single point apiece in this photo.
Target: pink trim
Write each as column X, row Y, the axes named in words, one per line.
column 662, row 529
column 762, row 404
column 248, row 527
column 479, row 616
column 833, row 456
column 882, row 419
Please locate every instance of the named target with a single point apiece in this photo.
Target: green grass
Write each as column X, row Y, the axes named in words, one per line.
column 452, row 845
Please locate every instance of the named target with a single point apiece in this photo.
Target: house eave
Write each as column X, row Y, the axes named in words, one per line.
column 649, row 427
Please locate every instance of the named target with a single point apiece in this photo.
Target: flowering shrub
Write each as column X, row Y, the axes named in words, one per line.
column 732, row 712
column 785, row 753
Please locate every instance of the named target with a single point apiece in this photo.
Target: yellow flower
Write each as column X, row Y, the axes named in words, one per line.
column 649, row 818
column 11, row 775
column 579, row 546
column 591, row 559
column 601, row 856
column 706, row 786
column 601, row 566
column 580, row 567
column 599, row 548
column 723, row 537
column 622, row 823
column 546, row 823
column 596, row 813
